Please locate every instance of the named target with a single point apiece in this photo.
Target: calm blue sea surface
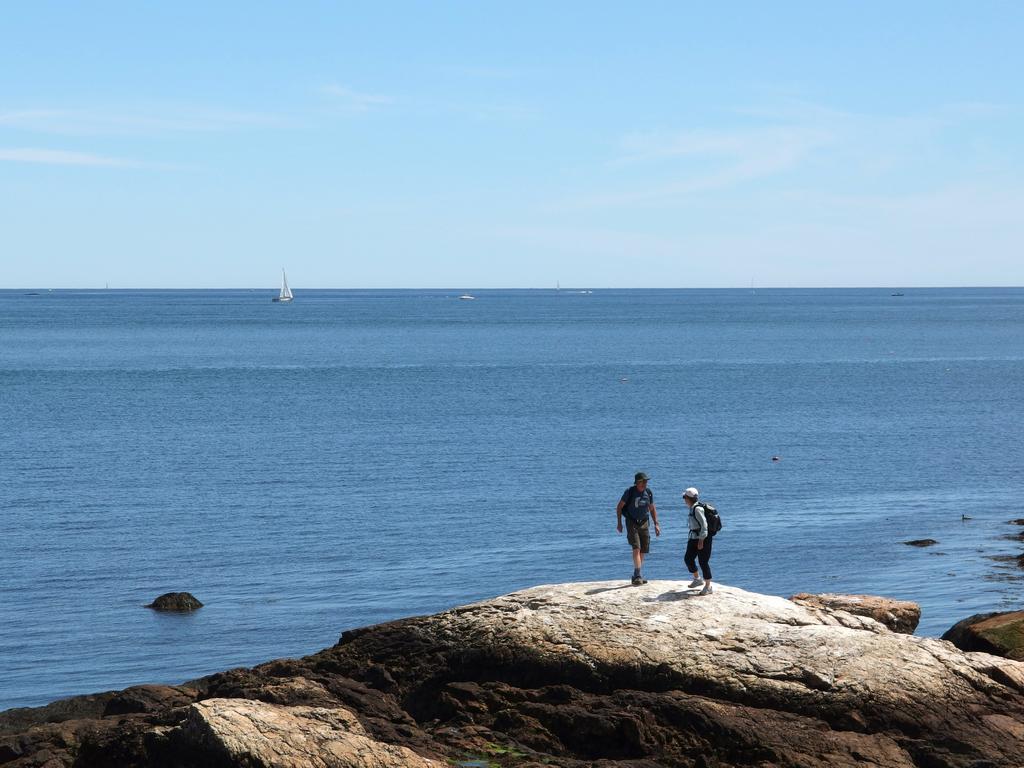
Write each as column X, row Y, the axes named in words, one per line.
column 358, row 456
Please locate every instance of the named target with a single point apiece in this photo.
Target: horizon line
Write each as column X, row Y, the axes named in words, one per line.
column 564, row 289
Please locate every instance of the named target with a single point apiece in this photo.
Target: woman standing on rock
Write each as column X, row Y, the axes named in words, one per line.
column 698, row 545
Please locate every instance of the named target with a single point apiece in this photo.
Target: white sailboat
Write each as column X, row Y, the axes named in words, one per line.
column 286, row 292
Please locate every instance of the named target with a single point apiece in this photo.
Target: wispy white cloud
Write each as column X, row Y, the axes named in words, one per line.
column 704, row 161
column 484, row 111
column 820, row 148
column 133, row 121
column 736, row 156
column 63, row 157
column 356, row 101
column 491, row 73
column 739, row 144
column 501, row 112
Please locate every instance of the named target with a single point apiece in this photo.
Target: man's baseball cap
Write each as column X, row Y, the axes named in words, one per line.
column 691, row 493
column 640, row 476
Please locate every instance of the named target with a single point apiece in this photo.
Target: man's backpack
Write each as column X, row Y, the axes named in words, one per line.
column 632, row 494
column 712, row 516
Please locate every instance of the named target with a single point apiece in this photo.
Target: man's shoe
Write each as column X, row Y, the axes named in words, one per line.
column 707, row 590
column 643, row 580
column 637, row 581
column 695, row 583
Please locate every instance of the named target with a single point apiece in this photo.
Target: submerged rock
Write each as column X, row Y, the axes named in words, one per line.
column 578, row 675
column 1001, row 634
column 898, row 615
column 921, row 543
column 175, row 601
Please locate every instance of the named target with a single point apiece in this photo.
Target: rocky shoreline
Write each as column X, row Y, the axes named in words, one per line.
column 592, row 674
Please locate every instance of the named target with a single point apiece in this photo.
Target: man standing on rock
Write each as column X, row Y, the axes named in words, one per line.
column 698, row 545
column 637, row 503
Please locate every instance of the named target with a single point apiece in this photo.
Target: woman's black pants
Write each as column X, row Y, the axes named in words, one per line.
column 703, row 555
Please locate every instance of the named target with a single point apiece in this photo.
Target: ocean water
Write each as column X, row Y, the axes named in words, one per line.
column 358, row 456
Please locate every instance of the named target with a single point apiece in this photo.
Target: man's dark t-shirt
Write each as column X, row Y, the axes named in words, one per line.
column 636, row 503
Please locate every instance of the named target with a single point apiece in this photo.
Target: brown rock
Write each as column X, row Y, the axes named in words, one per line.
column 149, row 699
column 898, row 615
column 1001, row 634
column 76, row 708
column 921, row 543
column 175, row 601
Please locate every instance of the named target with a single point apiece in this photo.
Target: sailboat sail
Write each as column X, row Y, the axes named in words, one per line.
column 286, row 292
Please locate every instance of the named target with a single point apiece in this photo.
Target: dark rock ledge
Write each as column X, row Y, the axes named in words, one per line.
column 568, row 675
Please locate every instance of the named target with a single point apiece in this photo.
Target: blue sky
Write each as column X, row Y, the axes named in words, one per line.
column 481, row 144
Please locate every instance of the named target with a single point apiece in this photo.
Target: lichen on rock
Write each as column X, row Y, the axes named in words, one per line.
column 1000, row 633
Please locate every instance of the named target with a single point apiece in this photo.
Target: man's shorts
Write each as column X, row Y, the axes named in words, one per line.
column 639, row 535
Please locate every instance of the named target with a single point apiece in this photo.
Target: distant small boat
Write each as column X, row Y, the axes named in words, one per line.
column 467, row 297
column 896, row 294
column 286, row 292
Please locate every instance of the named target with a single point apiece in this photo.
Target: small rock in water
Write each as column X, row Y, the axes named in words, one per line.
column 921, row 542
column 175, row 601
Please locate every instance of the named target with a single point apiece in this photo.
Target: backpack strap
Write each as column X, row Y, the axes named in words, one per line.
column 630, row 495
column 704, row 508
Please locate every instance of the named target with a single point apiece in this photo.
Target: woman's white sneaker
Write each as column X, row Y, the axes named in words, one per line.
column 695, row 583
column 707, row 590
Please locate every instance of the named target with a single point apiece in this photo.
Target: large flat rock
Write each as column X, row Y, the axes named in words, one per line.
column 596, row 674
